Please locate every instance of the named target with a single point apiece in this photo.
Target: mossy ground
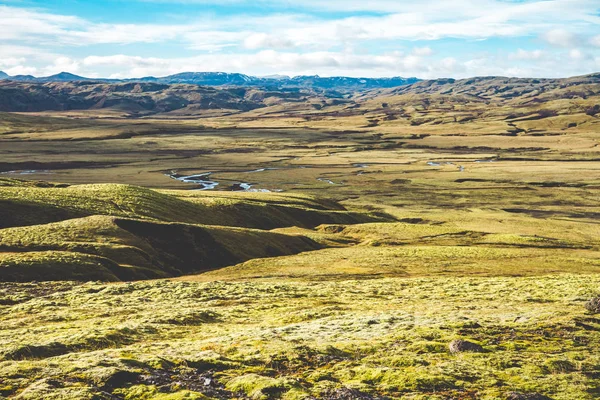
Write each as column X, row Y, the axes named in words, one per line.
column 295, row 339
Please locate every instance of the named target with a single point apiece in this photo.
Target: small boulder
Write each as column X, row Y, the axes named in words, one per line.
column 459, row 346
column 593, row 305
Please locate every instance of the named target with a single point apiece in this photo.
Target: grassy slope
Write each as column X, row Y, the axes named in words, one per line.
column 428, row 247
column 414, row 261
column 127, row 232
column 23, row 205
column 15, row 123
column 133, row 249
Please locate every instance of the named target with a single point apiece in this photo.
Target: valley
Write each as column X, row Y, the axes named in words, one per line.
column 174, row 241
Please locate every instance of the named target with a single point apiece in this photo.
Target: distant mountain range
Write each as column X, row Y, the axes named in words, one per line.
column 213, row 94
column 342, row 83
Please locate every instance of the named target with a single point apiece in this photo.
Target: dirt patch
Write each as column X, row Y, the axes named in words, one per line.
column 349, row 394
column 192, row 379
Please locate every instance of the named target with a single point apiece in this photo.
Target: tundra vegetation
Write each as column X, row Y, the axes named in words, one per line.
column 434, row 241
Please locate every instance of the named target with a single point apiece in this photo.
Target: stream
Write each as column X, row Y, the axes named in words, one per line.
column 207, row 184
column 200, row 179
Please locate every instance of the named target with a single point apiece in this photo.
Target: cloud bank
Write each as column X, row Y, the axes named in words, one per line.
column 428, row 39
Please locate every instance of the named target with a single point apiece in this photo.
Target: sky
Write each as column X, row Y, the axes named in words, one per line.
column 362, row 38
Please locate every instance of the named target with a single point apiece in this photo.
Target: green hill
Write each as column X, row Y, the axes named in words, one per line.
column 121, row 232
column 24, row 204
column 109, row 248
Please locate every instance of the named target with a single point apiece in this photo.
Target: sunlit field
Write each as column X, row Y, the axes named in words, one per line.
column 303, row 252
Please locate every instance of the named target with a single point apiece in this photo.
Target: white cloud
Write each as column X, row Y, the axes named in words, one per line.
column 272, row 61
column 445, row 8
column 521, row 54
column 21, row 70
column 29, row 52
column 451, row 67
column 579, row 55
column 314, row 42
column 263, row 40
column 19, row 23
column 61, row 64
column 422, row 51
column 122, row 60
column 331, row 63
column 428, row 20
column 561, row 38
column 213, row 40
column 12, row 61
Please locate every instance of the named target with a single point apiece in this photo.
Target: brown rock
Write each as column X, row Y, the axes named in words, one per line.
column 593, row 305
column 459, row 346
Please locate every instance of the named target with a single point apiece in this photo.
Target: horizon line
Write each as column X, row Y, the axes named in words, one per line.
column 272, row 76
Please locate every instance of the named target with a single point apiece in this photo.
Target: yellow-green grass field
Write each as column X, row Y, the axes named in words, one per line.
column 392, row 227
column 298, row 339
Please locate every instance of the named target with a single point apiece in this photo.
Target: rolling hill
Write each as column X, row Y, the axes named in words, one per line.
column 121, row 232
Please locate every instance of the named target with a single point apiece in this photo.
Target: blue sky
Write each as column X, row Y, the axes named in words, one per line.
column 427, row 39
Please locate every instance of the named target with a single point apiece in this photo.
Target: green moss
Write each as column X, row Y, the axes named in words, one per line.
column 428, row 347
column 55, row 265
column 89, row 341
column 144, row 392
column 261, row 387
column 93, row 335
column 558, row 366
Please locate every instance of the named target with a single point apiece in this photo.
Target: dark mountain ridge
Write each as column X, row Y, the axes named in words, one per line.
column 63, row 93
column 130, row 97
column 485, row 87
